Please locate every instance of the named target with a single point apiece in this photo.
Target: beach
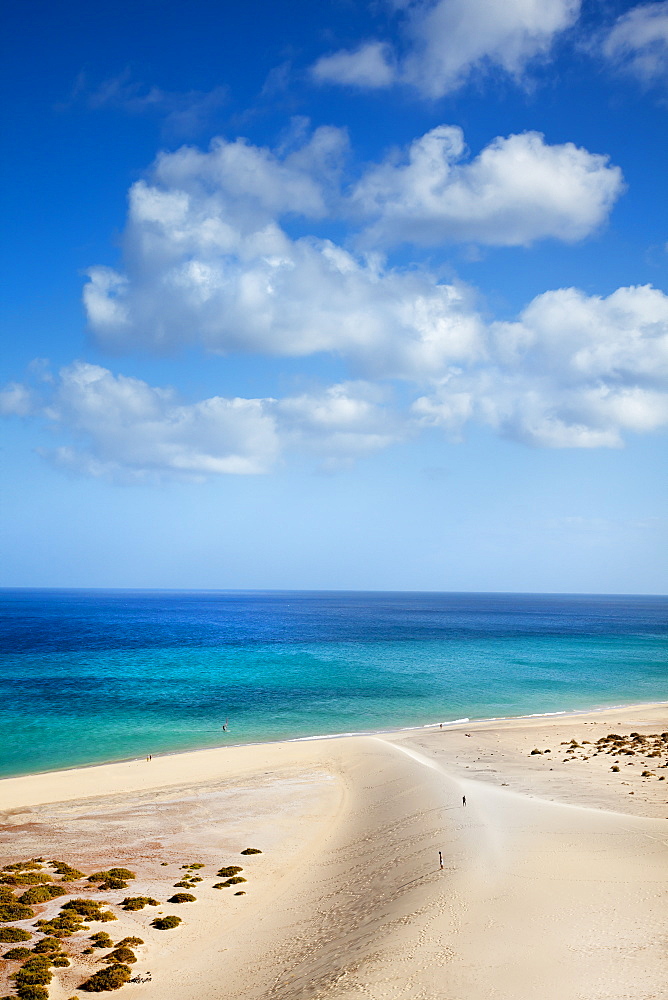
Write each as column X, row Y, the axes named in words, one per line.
column 553, row 883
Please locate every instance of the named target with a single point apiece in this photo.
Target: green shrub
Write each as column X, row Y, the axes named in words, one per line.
column 129, row 942
column 194, row 879
column 41, row 894
column 24, row 878
column 252, row 850
column 182, row 885
column 90, row 909
column 14, row 911
column 13, row 934
column 111, row 978
column 112, row 873
column 240, row 893
column 101, row 940
column 182, row 897
column 194, row 866
column 23, row 865
column 46, row 945
column 61, row 961
column 166, row 923
column 16, row 954
column 138, row 902
column 221, row 885
column 66, row 923
column 236, row 880
column 32, row 992
column 229, row 871
column 68, row 873
column 113, row 883
column 121, row 954
column 35, row 972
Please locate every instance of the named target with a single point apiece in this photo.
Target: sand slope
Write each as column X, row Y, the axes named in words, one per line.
column 554, row 883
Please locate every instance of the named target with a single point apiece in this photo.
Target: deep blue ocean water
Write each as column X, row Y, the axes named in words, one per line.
column 90, row 676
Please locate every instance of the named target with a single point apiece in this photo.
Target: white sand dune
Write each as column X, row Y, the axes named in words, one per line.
column 553, row 887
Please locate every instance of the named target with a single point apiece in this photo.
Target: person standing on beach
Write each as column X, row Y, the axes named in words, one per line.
column 440, row 860
column 463, row 800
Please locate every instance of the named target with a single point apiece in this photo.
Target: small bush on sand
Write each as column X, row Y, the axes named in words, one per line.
column 61, row 961
column 229, row 871
column 17, row 954
column 123, row 955
column 111, row 978
column 68, row 873
column 182, row 897
column 35, row 972
column 20, row 866
column 14, row 911
column 67, row 922
column 252, row 850
column 240, row 893
column 41, row 894
column 90, row 909
column 129, row 942
column 615, row 767
column 101, row 940
column 138, row 902
column 12, row 934
column 47, row 945
column 113, row 883
column 32, row 992
column 112, row 873
column 166, row 923
column 24, row 878
column 236, row 880
column 182, row 885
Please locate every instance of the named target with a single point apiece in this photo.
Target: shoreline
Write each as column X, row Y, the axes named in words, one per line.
column 558, row 866
column 561, row 714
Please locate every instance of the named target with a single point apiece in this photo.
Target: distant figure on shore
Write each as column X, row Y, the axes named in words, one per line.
column 463, row 800
column 225, row 725
column 440, row 860
column 441, row 724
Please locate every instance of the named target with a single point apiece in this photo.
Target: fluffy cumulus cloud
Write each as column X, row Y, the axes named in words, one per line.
column 638, row 42
column 573, row 371
column 445, row 41
column 122, row 427
column 208, row 258
column 517, row 190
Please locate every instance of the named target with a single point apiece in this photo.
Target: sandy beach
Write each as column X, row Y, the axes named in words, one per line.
column 553, row 883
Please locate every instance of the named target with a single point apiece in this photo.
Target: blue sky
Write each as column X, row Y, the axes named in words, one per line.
column 349, row 296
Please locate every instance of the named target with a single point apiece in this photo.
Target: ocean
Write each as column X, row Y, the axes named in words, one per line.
column 97, row 675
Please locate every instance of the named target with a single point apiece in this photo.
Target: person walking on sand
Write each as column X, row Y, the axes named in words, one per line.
column 440, row 860
column 463, row 800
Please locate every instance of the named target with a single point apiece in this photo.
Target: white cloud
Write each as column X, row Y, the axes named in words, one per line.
column 368, row 66
column 15, row 400
column 575, row 371
column 448, row 40
column 208, row 260
column 124, row 428
column 638, row 42
column 517, row 190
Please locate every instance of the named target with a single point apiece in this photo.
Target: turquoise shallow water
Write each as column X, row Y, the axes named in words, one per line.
column 89, row 676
